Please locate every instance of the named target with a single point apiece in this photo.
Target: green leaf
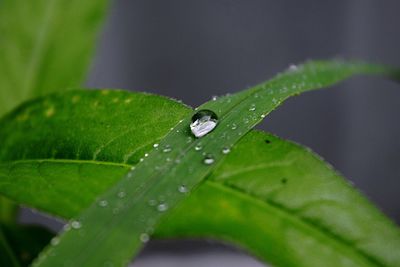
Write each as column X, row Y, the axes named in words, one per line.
column 162, row 173
column 7, row 256
column 260, row 206
column 45, row 45
column 281, row 198
column 26, row 241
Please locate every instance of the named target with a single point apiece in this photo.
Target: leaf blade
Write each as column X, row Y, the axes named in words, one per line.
column 34, row 57
column 242, row 240
column 107, row 228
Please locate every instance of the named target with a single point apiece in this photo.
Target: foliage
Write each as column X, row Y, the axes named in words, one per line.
column 124, row 167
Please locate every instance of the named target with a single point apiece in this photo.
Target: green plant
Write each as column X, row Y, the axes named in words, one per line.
column 123, row 167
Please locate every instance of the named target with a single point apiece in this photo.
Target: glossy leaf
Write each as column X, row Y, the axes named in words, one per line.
column 161, row 173
column 277, row 198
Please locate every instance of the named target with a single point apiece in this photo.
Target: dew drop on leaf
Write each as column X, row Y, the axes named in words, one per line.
column 198, row 147
column 226, row 150
column 121, row 194
column 208, row 159
column 55, row 241
column 103, row 203
column 144, row 238
column 167, row 148
column 252, row 107
column 76, row 224
column 183, row 189
column 155, row 145
column 162, row 207
column 203, row 122
column 152, row 202
column 293, row 67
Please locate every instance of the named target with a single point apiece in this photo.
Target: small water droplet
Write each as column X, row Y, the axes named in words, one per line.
column 103, row 203
column 146, row 155
column 226, row 150
column 67, row 227
column 214, row 98
column 198, row 147
column 144, row 237
column 115, row 210
column 141, row 159
column 203, row 122
column 152, row 202
column 234, row 126
column 252, row 107
column 183, row 189
column 262, row 116
column 208, row 159
column 162, row 207
column 167, row 148
column 76, row 224
column 55, row 241
column 155, row 145
column 293, row 67
column 121, row 194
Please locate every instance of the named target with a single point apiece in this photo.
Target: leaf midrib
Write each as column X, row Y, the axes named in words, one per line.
column 346, row 245
column 334, row 241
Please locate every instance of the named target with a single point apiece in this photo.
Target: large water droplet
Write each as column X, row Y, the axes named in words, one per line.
column 203, row 122
column 208, row 159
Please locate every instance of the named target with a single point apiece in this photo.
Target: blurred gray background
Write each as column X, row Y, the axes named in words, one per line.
column 191, row 50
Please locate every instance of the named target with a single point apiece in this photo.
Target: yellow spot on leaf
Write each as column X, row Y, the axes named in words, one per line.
column 23, row 117
column 49, row 112
column 75, row 98
column 129, row 100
